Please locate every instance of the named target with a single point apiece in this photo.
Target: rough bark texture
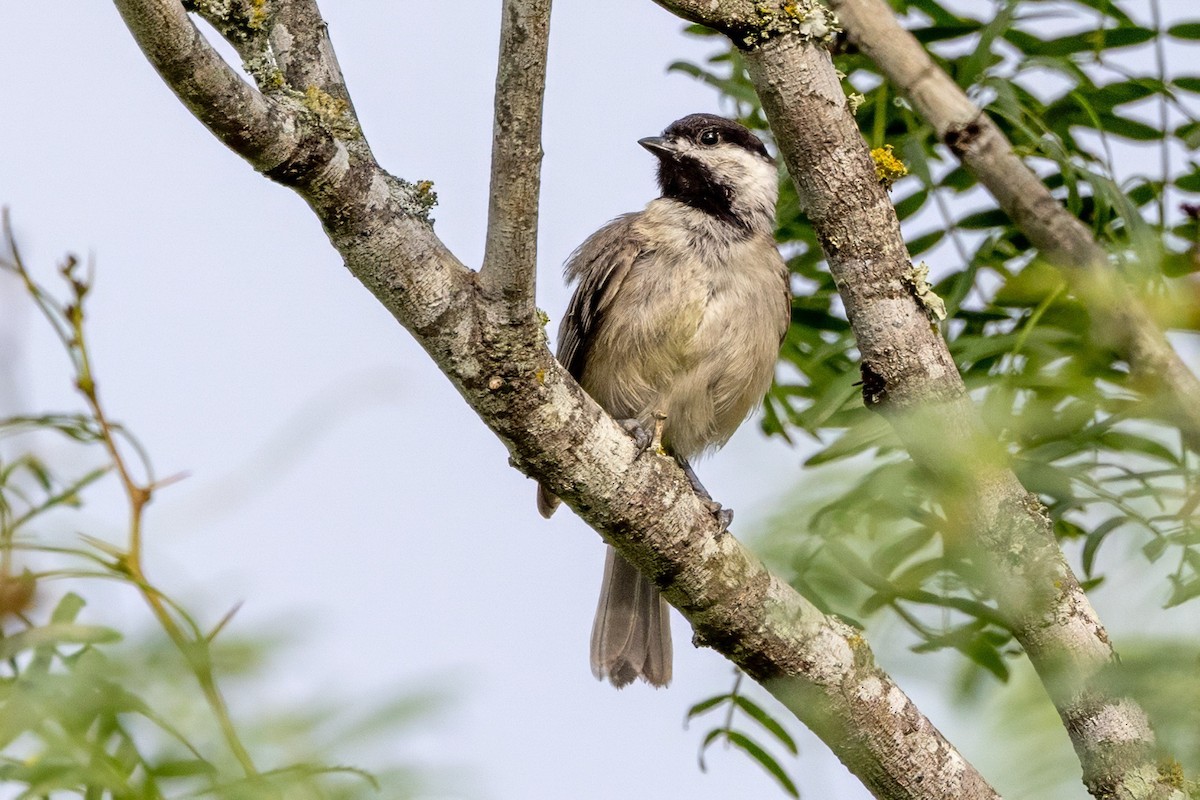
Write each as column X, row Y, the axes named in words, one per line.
column 909, row 375
column 1062, row 239
column 305, row 136
column 510, row 254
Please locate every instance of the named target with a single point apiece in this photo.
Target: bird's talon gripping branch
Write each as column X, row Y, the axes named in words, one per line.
column 642, row 438
column 724, row 515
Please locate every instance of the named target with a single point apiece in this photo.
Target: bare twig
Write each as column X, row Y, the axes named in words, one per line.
column 69, row 320
column 820, row 668
column 1062, row 239
column 510, row 254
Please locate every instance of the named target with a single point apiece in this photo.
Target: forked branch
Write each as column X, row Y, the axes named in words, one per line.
column 1062, row 239
column 909, row 374
column 643, row 505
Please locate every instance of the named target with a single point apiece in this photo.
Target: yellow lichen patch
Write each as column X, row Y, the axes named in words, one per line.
column 917, row 279
column 325, row 106
column 258, row 14
column 888, row 168
column 1171, row 771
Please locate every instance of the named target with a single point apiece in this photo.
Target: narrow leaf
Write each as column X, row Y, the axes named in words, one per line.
column 767, row 721
column 755, row 751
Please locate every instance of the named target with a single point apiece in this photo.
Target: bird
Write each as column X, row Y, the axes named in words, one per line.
column 675, row 325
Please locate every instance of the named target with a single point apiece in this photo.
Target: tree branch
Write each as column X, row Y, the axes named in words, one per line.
column 642, row 504
column 1062, row 239
column 510, row 254
column 299, row 40
column 909, row 374
column 260, row 131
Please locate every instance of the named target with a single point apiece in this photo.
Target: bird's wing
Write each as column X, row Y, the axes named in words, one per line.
column 785, row 319
column 598, row 267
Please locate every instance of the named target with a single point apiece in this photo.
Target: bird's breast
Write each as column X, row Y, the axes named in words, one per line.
column 698, row 339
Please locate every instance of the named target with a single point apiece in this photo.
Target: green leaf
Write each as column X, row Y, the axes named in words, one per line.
column 1189, row 83
column 1094, row 41
column 1185, row 30
column 1107, row 7
column 886, row 559
column 982, row 57
column 1191, row 181
column 1189, row 134
column 56, row 634
column 907, row 206
column 940, row 33
column 925, row 243
column 768, row 762
column 1175, row 265
column 1182, row 591
column 68, row 608
column 706, row 705
column 1128, row 442
column 992, row 218
column 1154, row 548
column 874, row 432
column 183, row 768
column 1130, row 128
column 1094, row 539
column 767, row 721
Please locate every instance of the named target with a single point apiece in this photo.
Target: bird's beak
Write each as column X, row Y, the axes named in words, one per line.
column 658, row 145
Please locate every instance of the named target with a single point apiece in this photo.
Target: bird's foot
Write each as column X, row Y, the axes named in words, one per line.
column 724, row 516
column 642, row 438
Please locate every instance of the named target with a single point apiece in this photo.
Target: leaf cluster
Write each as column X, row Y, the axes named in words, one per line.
column 1082, row 89
column 82, row 715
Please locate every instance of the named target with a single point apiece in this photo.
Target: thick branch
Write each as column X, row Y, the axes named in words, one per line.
column 817, row 666
column 909, row 373
column 1062, row 239
column 643, row 505
column 510, row 254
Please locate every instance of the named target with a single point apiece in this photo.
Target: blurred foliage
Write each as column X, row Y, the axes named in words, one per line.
column 84, row 713
column 732, row 703
column 1077, row 86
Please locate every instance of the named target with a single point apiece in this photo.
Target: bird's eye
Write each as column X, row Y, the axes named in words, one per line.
column 709, row 137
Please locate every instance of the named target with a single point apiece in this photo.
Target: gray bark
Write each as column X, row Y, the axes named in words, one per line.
column 299, row 129
column 910, row 376
column 1119, row 318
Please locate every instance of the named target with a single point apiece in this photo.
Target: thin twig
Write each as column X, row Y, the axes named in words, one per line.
column 510, row 253
column 69, row 320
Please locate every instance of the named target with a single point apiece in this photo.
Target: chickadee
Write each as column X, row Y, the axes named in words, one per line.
column 677, row 318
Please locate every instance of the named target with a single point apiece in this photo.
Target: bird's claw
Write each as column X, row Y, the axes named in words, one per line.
column 724, row 516
column 642, row 438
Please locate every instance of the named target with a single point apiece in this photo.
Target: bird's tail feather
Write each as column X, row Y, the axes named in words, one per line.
column 631, row 636
column 546, row 502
